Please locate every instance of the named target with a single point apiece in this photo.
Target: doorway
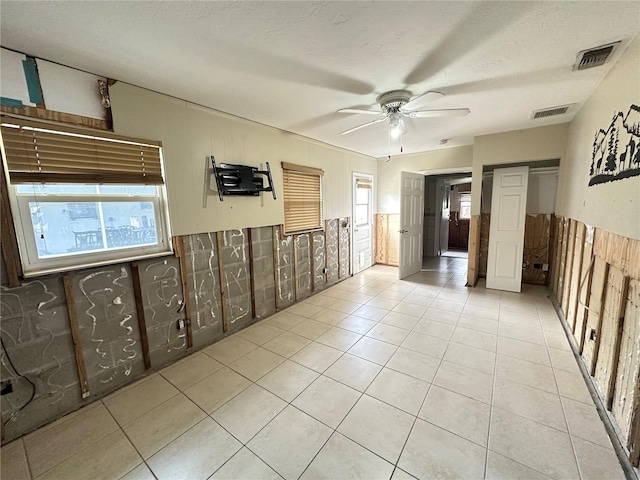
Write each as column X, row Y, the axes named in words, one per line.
column 446, row 220
column 362, row 255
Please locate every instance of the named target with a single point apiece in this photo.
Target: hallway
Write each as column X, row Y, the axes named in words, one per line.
column 372, row 378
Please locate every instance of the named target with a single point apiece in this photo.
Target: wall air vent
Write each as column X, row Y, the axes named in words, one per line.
column 551, row 111
column 594, row 57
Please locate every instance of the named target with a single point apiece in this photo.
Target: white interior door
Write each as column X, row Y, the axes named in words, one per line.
column 362, row 221
column 506, row 233
column 411, row 217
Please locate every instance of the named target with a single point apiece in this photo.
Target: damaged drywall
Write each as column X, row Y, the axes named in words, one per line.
column 319, row 262
column 235, row 258
column 164, row 311
column 333, row 262
column 262, row 269
column 262, row 273
column 303, row 279
column 37, row 338
column 108, row 327
column 203, row 282
column 284, row 279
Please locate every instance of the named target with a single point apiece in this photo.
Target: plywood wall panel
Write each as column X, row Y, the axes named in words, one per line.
column 537, row 231
column 576, row 275
column 568, row 267
column 610, row 332
column 557, row 250
column 387, row 239
column 563, row 258
column 594, row 316
column 585, row 284
column 627, row 384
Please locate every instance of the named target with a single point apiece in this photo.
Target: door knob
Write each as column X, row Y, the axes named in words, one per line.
column 402, row 231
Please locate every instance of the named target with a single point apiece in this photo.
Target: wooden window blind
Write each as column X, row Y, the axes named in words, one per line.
column 302, row 198
column 363, row 183
column 44, row 153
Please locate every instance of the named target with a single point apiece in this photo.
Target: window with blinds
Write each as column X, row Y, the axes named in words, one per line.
column 81, row 198
column 42, row 153
column 302, row 198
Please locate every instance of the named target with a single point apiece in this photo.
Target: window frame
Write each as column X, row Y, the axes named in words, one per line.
column 460, row 216
column 27, row 251
column 32, row 264
column 302, row 170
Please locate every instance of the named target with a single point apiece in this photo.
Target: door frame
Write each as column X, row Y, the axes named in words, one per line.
column 354, row 177
column 436, row 173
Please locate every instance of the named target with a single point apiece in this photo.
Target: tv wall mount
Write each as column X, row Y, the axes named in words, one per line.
column 242, row 180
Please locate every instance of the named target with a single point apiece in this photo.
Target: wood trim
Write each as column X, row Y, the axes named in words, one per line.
column 350, row 246
column 574, row 295
column 296, row 287
column 76, row 337
column 339, row 250
column 8, row 239
column 582, row 313
column 142, row 322
column 302, row 168
column 326, row 250
column 251, row 279
column 178, row 248
column 474, row 250
column 568, row 267
column 276, row 273
column 312, row 263
column 634, row 436
column 603, row 299
column 58, row 117
column 620, row 310
column 223, row 283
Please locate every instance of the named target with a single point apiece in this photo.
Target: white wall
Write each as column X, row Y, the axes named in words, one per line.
column 541, row 192
column 532, row 144
column 613, row 206
column 455, row 159
column 68, row 90
column 13, row 83
column 189, row 133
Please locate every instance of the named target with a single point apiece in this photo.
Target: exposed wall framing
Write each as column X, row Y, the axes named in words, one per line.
column 596, row 283
column 387, row 243
column 475, row 247
column 83, row 335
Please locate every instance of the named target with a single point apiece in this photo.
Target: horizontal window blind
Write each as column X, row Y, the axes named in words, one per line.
column 44, row 153
column 363, row 183
column 302, row 199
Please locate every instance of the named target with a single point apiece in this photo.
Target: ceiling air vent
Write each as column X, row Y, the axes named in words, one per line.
column 551, row 111
column 594, row 57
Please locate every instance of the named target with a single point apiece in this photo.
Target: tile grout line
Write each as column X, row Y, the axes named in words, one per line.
column 144, row 461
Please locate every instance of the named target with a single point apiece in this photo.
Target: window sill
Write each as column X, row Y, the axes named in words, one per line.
column 84, row 266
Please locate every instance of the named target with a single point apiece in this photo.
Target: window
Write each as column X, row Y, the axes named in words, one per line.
column 465, row 205
column 363, row 201
column 302, row 198
column 80, row 199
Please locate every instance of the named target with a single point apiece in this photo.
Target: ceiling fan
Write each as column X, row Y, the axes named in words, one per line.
column 393, row 106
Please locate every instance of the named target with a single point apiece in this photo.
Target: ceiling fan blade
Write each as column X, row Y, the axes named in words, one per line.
column 360, row 110
column 420, row 100
column 452, row 112
column 362, row 126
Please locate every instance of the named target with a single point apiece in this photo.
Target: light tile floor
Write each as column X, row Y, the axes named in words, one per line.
column 373, row 378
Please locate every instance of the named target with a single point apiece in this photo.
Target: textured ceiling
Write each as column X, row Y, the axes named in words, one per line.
column 291, row 65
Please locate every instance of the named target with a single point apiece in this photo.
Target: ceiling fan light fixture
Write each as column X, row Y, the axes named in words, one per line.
column 395, row 125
